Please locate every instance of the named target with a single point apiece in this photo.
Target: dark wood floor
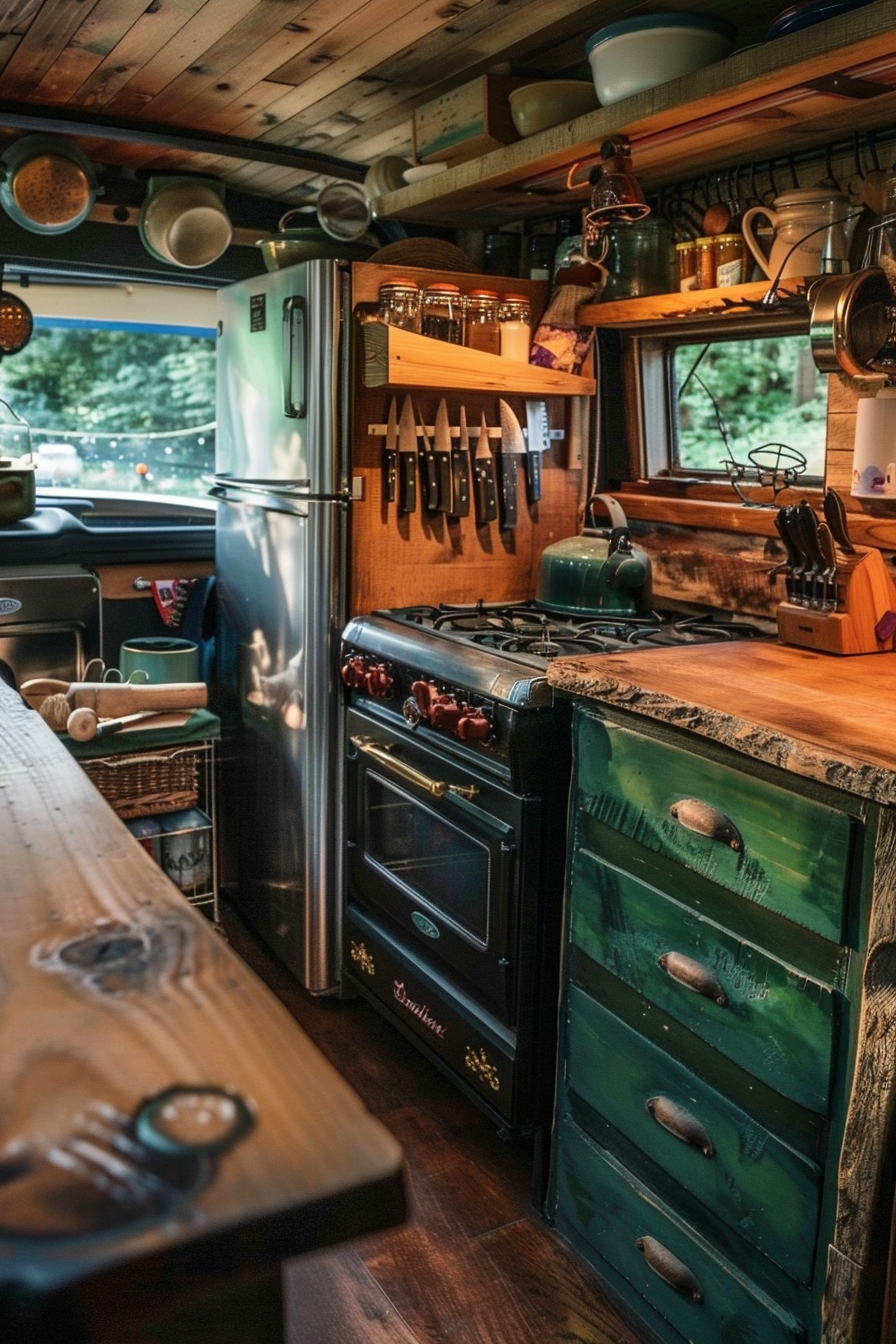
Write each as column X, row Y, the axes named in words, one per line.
column 474, row 1263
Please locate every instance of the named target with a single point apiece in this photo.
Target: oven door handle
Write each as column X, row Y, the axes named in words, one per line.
column 437, row 787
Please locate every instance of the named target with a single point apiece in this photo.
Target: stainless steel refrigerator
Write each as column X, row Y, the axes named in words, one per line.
column 282, row 485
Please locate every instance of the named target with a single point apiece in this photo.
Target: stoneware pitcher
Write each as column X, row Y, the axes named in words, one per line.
column 795, row 218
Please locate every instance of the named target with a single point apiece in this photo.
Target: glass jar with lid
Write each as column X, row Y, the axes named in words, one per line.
column 400, row 304
column 515, row 321
column 442, row 315
column 481, row 321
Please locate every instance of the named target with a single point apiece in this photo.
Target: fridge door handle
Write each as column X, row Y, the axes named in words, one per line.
column 295, row 356
column 297, row 489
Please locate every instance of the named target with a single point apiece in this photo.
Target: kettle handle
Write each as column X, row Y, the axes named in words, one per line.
column 613, row 508
column 750, row 239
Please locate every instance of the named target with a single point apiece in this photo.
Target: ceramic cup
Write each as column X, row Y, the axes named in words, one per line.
column 160, row 658
column 185, row 848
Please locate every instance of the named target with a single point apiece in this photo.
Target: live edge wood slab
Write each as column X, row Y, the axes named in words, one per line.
column 117, row 1220
column 829, row 720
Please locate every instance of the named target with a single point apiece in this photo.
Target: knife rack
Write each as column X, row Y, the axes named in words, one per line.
column 865, row 596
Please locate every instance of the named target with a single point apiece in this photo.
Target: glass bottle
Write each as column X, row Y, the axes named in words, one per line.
column 442, row 314
column 400, row 304
column 481, row 331
column 515, row 321
column 686, row 253
column 728, row 255
column 706, row 262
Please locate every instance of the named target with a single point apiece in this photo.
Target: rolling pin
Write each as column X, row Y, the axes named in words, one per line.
column 84, row 724
column 112, row 699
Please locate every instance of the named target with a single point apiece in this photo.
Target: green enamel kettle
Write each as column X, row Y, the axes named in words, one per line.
column 598, row 572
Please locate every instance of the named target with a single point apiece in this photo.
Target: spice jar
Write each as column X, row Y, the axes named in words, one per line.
column 515, row 322
column 728, row 254
column 706, row 262
column 400, row 304
column 686, row 254
column 481, row 326
column 442, row 313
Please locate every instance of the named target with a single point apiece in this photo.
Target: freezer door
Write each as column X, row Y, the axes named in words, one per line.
column 279, row 347
column 280, row 586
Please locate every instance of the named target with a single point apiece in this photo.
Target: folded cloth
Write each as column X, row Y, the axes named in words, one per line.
column 558, row 343
column 171, row 599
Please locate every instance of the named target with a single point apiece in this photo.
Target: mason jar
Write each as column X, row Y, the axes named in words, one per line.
column 515, row 322
column 400, row 304
column 481, row 321
column 442, row 316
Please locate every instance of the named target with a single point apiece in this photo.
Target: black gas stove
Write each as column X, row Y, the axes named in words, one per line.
column 457, row 772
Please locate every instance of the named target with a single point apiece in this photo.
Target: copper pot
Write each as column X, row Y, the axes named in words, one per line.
column 851, row 321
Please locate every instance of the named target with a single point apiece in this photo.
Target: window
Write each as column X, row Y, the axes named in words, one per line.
column 712, row 395
column 118, row 386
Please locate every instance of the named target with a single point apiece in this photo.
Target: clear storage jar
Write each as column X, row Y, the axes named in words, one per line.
column 400, row 304
column 481, row 331
column 442, row 316
column 515, row 323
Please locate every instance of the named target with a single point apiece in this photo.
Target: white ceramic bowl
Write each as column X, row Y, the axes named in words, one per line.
column 639, row 53
column 183, row 221
column 536, row 107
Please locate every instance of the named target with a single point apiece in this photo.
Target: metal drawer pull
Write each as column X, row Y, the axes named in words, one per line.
column 681, row 1123
column 669, row 1268
column 693, row 976
column 709, row 821
column 437, row 787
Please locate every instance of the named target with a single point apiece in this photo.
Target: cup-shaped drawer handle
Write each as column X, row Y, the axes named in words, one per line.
column 669, row 1268
column 681, row 1123
column 709, row 821
column 693, row 976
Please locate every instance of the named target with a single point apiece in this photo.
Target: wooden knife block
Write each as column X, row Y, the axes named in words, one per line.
column 865, row 593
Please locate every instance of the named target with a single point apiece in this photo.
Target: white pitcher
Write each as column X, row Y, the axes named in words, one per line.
column 799, row 218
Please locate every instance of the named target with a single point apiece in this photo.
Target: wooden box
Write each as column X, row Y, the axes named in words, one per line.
column 466, row 122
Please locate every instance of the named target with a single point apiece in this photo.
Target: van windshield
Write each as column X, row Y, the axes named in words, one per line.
column 116, row 406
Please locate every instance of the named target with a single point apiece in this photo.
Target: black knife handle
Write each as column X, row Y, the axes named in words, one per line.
column 460, row 484
column 408, row 468
column 443, row 482
column 484, row 493
column 430, row 470
column 390, row 470
column 533, row 477
column 508, row 490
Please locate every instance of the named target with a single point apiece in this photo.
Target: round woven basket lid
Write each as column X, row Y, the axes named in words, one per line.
column 431, row 253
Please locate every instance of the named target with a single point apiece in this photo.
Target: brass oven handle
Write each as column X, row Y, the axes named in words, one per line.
column 681, row 1123
column 693, row 976
column 669, row 1268
column 437, row 787
column 706, row 820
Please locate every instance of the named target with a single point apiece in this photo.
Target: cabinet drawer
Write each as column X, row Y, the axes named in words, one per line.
column 770, row 845
column 747, row 1176
column 771, row 1019
column 615, row 1213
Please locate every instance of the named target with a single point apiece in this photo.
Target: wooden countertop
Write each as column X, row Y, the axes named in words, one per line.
column 113, row 990
column 827, row 718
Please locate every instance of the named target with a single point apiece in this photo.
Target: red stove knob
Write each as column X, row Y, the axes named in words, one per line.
column 423, row 693
column 354, row 673
column 444, row 712
column 473, row 725
column 378, row 681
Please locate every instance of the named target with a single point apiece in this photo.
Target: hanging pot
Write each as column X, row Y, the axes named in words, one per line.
column 289, row 246
column 47, row 184
column 599, row 571
column 850, row 323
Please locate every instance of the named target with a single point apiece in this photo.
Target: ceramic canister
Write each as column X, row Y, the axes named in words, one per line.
column 875, row 444
column 161, row 657
column 185, row 847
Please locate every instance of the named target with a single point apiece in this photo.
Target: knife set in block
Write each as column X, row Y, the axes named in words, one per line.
column 840, row 597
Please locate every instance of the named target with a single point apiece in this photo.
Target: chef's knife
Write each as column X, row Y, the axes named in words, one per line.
column 460, row 471
column 430, row 481
column 795, row 532
column 794, row 559
column 390, row 454
column 829, row 573
column 443, row 459
column 484, row 488
column 835, row 517
column 407, row 458
column 512, row 446
column 537, row 442
column 808, row 525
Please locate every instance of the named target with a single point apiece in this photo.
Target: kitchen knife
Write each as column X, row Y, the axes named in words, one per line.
column 829, row 573
column 443, row 458
column 537, row 442
column 794, row 559
column 390, row 454
column 460, row 471
column 430, row 481
column 835, row 517
column 407, row 458
column 808, row 526
column 484, row 488
column 512, row 446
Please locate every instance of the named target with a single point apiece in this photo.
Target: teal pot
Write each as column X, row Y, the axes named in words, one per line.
column 161, row 658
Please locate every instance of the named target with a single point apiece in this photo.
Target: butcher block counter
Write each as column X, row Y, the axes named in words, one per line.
column 724, row 1132
column 168, row 1135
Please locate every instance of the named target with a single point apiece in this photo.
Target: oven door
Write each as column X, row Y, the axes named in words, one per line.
column 433, row 851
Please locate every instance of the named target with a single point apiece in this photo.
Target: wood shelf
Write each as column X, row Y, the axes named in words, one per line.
column 689, row 306
column 396, row 358
column 795, row 93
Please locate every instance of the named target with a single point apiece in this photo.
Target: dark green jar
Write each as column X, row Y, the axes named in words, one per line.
column 641, row 260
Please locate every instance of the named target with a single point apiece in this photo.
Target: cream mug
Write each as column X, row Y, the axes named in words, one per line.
column 809, row 220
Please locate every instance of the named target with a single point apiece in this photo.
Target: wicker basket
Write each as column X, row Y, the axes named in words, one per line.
column 148, row 782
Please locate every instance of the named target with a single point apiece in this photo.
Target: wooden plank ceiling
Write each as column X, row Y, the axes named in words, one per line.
column 338, row 78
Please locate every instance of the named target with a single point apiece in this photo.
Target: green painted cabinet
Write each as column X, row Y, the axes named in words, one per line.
column 707, row 1021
